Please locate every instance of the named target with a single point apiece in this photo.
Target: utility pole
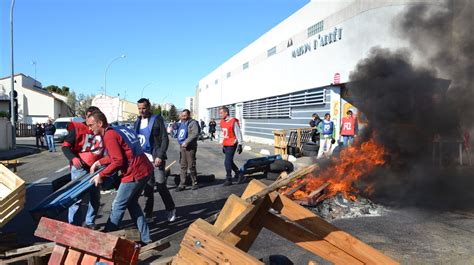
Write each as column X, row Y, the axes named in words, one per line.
column 12, row 95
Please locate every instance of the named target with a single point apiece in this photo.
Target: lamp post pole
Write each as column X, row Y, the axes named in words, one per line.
column 107, row 68
column 12, row 100
column 143, row 89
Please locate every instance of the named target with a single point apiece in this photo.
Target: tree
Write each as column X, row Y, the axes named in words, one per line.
column 155, row 109
column 83, row 102
column 173, row 114
column 72, row 102
column 55, row 89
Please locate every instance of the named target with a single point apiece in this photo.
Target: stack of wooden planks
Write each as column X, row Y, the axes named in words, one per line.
column 242, row 218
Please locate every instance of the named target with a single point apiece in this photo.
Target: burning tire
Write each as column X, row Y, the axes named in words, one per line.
column 280, row 166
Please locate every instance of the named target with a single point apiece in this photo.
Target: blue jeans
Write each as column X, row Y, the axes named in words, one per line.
column 93, row 205
column 347, row 140
column 50, row 140
column 229, row 161
column 127, row 198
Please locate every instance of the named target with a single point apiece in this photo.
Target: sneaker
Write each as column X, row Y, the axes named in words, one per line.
column 179, row 188
column 194, row 187
column 91, row 227
column 227, row 183
column 242, row 179
column 171, row 215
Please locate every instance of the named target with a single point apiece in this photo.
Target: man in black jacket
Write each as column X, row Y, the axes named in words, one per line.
column 49, row 131
column 154, row 140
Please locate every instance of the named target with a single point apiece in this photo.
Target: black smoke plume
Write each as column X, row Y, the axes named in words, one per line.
column 416, row 96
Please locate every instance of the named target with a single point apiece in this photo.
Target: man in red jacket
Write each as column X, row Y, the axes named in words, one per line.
column 232, row 142
column 124, row 154
column 82, row 148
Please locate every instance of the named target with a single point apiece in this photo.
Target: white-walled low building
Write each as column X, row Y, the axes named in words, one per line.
column 34, row 103
column 297, row 68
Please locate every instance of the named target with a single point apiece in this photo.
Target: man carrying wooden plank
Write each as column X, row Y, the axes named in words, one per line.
column 82, row 148
column 125, row 154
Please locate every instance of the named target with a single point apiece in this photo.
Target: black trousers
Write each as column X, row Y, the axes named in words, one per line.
column 159, row 177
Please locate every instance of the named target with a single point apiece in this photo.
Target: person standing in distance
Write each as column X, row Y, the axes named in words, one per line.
column 49, row 131
column 82, row 148
column 124, row 154
column 212, row 129
column 326, row 127
column 314, row 123
column 232, row 142
column 348, row 129
column 188, row 133
column 154, row 141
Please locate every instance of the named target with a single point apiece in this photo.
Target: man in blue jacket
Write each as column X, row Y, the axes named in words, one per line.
column 154, row 141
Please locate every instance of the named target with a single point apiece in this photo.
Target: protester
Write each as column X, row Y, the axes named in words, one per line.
column 154, row 141
column 39, row 134
column 212, row 129
column 313, row 123
column 82, row 148
column 49, row 131
column 232, row 142
column 188, row 133
column 349, row 128
column 43, row 127
column 326, row 127
column 124, row 154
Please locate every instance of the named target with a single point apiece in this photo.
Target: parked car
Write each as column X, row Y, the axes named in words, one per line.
column 61, row 127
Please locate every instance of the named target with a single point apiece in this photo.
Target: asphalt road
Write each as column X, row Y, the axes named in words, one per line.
column 411, row 235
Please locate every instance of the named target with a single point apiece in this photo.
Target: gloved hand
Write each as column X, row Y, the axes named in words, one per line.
column 239, row 149
column 333, row 141
column 223, row 150
column 76, row 162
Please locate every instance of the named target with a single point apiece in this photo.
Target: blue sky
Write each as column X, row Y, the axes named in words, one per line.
column 169, row 43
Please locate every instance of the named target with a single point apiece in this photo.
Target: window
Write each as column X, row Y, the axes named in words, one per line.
column 245, row 65
column 228, row 74
column 271, row 51
column 289, row 43
column 316, row 28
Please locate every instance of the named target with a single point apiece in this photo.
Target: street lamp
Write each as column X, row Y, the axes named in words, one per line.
column 144, row 88
column 12, row 100
column 107, row 68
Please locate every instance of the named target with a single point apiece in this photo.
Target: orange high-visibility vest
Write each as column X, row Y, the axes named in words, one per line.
column 227, row 128
column 348, row 126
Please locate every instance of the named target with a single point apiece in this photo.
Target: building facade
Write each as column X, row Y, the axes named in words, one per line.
column 34, row 103
column 299, row 67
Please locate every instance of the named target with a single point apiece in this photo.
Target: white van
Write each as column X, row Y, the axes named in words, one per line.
column 61, row 127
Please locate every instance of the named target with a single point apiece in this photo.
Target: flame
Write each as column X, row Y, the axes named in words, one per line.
column 343, row 172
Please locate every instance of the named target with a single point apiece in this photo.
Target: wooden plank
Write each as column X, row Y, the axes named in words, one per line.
column 283, row 182
column 10, row 179
column 308, row 240
column 7, row 205
column 26, row 250
column 200, row 241
column 168, row 167
column 74, row 257
column 15, row 208
column 58, row 256
column 283, row 175
column 194, row 258
column 89, row 259
column 233, row 207
column 330, row 233
column 98, row 243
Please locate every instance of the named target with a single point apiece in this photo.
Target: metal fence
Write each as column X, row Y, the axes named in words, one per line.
column 25, row 130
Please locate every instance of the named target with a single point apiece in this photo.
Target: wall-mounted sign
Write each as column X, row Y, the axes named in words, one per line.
column 337, row 78
column 320, row 41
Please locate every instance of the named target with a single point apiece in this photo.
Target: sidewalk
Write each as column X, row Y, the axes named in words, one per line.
column 20, row 151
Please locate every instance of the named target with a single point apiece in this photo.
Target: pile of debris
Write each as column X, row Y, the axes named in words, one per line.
column 338, row 207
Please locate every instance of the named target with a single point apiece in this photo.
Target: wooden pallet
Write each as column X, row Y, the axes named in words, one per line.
column 242, row 218
column 78, row 245
column 12, row 195
column 13, row 163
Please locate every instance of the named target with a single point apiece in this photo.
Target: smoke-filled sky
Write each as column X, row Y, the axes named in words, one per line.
column 408, row 105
